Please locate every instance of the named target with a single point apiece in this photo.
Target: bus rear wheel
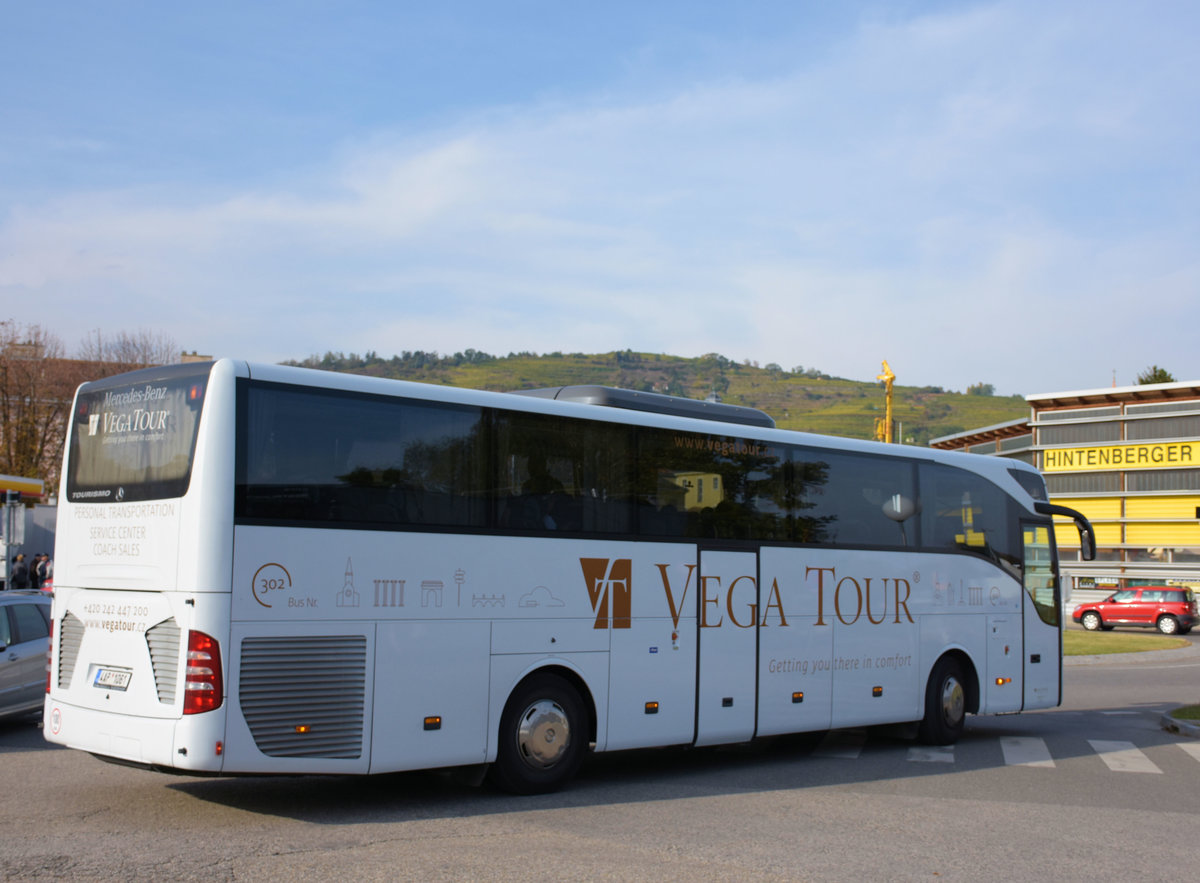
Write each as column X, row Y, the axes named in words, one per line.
column 945, row 704
column 543, row 732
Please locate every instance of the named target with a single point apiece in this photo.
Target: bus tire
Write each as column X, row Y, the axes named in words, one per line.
column 543, row 733
column 945, row 704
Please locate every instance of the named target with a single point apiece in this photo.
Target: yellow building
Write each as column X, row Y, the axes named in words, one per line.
column 690, row 491
column 1129, row 459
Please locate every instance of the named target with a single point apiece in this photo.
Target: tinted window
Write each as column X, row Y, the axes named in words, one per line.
column 318, row 456
column 566, row 475
column 29, row 622
column 710, row 486
column 851, row 499
column 963, row 512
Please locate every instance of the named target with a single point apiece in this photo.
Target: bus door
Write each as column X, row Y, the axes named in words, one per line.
column 1042, row 619
column 729, row 605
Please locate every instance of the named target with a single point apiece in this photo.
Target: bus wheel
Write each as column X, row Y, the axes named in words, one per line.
column 945, row 704
column 543, row 733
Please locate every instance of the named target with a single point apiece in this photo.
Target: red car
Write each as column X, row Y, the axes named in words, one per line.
column 1170, row 609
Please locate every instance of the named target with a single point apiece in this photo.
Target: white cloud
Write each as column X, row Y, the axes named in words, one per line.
column 941, row 192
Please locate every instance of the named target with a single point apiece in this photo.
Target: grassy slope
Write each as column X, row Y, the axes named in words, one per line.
column 797, row 401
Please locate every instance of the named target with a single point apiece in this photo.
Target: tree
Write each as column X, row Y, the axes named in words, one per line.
column 35, row 393
column 138, row 349
column 37, row 386
column 981, row 389
column 1155, row 374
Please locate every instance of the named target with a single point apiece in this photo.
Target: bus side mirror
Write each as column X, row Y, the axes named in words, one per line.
column 899, row 508
column 1087, row 542
column 1087, row 536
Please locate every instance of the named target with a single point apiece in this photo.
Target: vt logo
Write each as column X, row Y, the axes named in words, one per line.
column 608, row 584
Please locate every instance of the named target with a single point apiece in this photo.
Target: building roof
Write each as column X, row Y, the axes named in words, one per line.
column 994, row 432
column 1150, row 392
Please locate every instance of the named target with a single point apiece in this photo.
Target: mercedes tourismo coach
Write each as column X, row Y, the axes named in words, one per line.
column 264, row 569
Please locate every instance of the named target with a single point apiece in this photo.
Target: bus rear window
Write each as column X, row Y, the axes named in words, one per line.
column 135, row 434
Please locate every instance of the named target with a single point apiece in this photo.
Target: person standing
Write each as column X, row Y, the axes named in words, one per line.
column 20, row 573
column 41, row 569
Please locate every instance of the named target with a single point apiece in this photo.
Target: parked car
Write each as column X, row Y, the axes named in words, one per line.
column 24, row 643
column 1170, row 609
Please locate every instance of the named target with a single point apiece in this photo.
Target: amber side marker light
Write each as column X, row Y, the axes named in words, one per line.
column 877, row 692
column 797, row 698
column 1000, row 682
column 651, row 708
column 303, row 729
column 433, row 722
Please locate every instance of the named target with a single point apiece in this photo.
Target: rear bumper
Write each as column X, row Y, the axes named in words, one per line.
column 194, row 744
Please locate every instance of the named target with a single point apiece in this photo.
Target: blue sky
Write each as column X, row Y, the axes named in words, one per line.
column 1001, row 192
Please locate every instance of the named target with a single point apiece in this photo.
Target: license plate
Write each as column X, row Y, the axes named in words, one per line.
column 112, row 678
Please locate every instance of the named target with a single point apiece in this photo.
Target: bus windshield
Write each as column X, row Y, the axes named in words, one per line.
column 134, row 436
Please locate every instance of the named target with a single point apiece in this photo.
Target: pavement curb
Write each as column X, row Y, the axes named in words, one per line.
column 1189, row 652
column 1191, row 729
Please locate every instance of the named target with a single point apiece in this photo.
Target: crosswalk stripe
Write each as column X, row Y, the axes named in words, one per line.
column 1192, row 748
column 1028, row 751
column 1025, row 751
column 846, row 744
column 1123, row 757
column 931, row 754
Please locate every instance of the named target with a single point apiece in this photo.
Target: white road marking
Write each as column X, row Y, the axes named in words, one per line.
column 1123, row 757
column 1192, row 748
column 1025, row 751
column 847, row 744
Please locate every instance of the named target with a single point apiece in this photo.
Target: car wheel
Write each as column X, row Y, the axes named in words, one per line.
column 1168, row 625
column 543, row 733
column 1090, row 620
column 945, row 704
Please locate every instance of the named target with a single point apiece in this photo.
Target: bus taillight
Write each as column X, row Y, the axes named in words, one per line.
column 204, row 688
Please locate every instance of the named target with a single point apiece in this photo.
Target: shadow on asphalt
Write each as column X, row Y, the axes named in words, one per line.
column 778, row 763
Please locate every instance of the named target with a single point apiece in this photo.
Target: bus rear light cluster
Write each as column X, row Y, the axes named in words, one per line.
column 204, row 688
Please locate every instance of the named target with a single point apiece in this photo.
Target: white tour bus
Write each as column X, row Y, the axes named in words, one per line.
column 265, row 569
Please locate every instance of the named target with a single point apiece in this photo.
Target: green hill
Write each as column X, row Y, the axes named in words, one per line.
column 799, row 399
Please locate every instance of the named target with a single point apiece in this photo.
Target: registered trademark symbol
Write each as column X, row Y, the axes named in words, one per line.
column 916, row 576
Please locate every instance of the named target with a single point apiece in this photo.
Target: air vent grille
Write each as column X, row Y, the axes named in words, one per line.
column 162, row 641
column 305, row 696
column 70, row 636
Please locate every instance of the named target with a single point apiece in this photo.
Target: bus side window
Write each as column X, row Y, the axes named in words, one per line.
column 964, row 512
column 850, row 500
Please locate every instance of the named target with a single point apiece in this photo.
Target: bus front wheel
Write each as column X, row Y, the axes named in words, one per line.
column 945, row 704
column 543, row 733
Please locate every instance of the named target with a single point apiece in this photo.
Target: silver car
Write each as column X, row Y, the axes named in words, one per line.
column 24, row 642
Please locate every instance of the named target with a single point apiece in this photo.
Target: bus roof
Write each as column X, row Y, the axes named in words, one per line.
column 654, row 402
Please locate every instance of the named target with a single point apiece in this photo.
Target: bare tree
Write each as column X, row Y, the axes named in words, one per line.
column 137, row 349
column 37, row 386
column 35, row 392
